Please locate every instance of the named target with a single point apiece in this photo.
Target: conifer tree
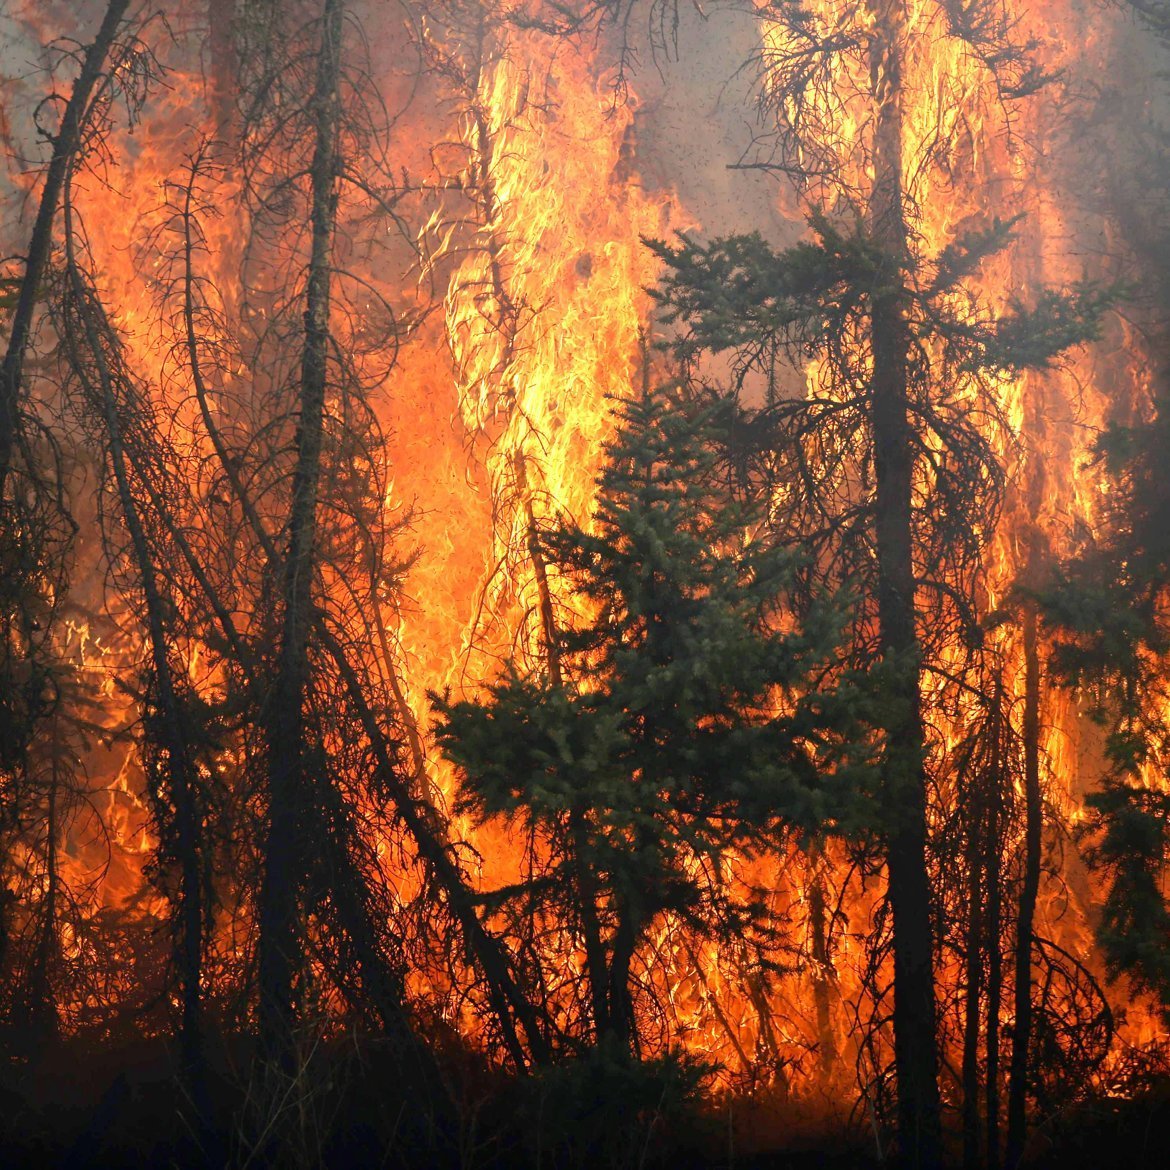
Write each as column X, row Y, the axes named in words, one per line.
column 1108, row 606
column 677, row 723
column 36, row 527
column 912, row 544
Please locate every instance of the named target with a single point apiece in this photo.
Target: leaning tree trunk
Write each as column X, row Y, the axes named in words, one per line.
column 92, row 351
column 915, row 1051
column 507, row 999
column 66, row 144
column 281, row 928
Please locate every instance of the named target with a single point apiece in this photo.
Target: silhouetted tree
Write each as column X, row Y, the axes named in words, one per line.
column 673, row 723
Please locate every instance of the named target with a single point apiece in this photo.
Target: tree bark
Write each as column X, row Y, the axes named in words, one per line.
column 915, row 1043
column 281, row 928
column 621, row 1025
column 66, row 143
column 1029, row 891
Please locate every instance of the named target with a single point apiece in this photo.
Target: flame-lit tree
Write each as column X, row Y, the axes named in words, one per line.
column 352, row 790
column 331, row 640
column 292, row 620
column 1108, row 607
column 675, row 724
column 215, row 545
column 695, row 725
column 41, row 696
column 888, row 468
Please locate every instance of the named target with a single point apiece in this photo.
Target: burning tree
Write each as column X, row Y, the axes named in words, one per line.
column 40, row 711
column 673, row 726
column 305, row 415
column 1107, row 606
column 890, row 466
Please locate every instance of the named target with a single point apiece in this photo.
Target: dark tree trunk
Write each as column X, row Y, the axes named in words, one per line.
column 818, row 926
column 915, row 1044
column 620, row 1026
column 984, row 961
column 976, row 889
column 42, row 1010
column 281, row 925
column 1029, row 891
column 109, row 398
column 994, row 949
column 65, row 147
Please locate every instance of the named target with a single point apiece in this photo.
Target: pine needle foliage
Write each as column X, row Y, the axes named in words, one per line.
column 672, row 725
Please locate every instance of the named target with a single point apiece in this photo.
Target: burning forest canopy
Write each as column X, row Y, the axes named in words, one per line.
column 576, row 577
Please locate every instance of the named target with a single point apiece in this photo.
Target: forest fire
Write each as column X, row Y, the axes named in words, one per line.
column 576, row 578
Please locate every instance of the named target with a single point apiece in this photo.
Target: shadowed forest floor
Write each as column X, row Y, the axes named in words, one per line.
column 130, row 1110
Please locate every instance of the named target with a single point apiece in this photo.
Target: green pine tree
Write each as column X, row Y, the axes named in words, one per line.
column 680, row 721
column 1108, row 612
column 887, row 473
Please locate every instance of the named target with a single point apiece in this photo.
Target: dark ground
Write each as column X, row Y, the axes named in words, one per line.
column 74, row 1106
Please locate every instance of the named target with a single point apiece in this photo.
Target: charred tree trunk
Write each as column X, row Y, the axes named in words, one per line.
column 915, row 1044
column 819, row 927
column 982, row 940
column 1029, row 891
column 994, row 879
column 42, row 1011
column 93, row 358
column 65, row 147
column 972, row 1020
column 621, row 1026
column 281, row 927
